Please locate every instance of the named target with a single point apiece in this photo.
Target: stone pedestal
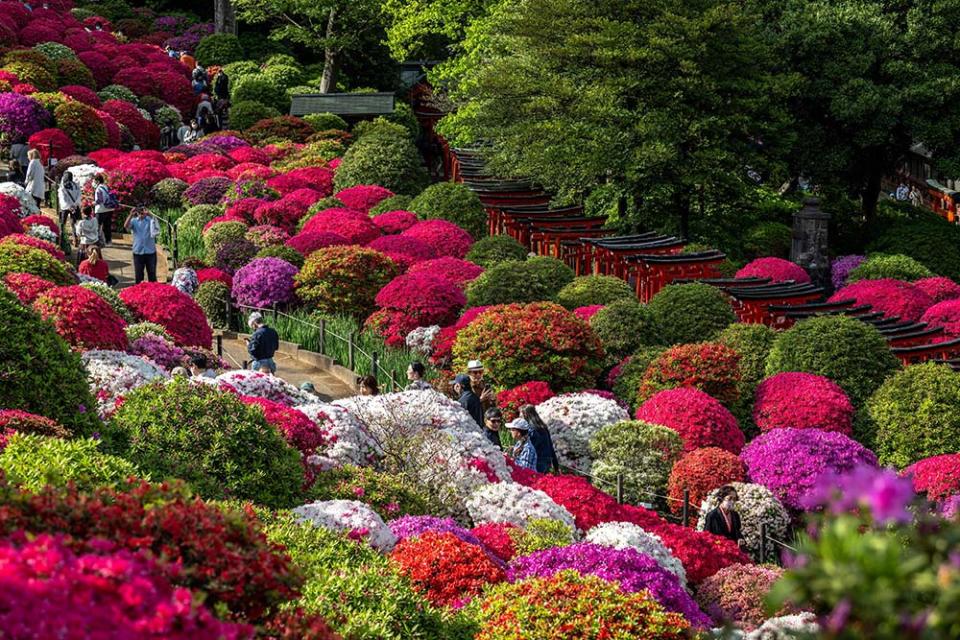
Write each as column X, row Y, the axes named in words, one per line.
column 809, row 247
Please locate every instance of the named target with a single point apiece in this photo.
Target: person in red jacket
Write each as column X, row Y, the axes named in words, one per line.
column 95, row 266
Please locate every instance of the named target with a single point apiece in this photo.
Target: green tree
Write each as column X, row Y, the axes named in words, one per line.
column 424, row 29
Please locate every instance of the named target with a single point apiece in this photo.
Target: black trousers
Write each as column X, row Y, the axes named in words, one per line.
column 106, row 223
column 148, row 260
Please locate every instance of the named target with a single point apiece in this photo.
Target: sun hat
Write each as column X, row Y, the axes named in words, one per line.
column 473, row 365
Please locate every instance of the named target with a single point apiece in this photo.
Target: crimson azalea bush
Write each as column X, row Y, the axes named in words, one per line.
column 145, row 133
column 424, row 298
column 51, row 143
column 38, row 219
column 939, row 288
column 264, row 282
column 446, row 238
column 283, row 213
column 538, row 341
column 944, row 314
column 789, row 461
column 355, row 226
column 447, row 570
column 26, row 287
column 317, row 178
column 83, row 318
column 170, row 308
column 498, row 537
column 26, row 422
column 700, row 420
column 711, row 367
column 701, row 471
column 802, row 401
column 395, row 221
column 404, row 251
column 938, row 476
column 460, row 272
column 511, row 400
column 736, row 594
column 777, row 269
column 9, row 218
column 296, row 428
column 363, row 197
column 307, row 243
column 894, row 298
column 344, row 279
column 210, row 273
column 443, row 343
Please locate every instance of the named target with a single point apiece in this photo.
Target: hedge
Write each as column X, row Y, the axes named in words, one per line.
column 690, row 313
column 453, row 202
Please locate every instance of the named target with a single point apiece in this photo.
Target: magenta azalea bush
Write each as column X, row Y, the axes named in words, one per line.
column 264, row 282
column 777, row 269
column 164, row 353
column 404, row 251
column 802, row 401
column 412, row 526
column 446, row 238
column 363, row 197
column 353, row 225
column 944, row 314
column 308, row 242
column 788, row 462
column 206, row 191
column 894, row 298
column 699, row 418
column 395, row 221
column 457, row 271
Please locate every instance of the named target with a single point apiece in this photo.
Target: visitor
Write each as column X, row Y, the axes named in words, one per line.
column 480, row 386
column 199, row 368
column 105, row 203
column 179, row 372
column 523, row 453
column 68, row 201
column 34, row 179
column 916, row 198
column 86, row 233
column 265, row 369
column 188, row 133
column 724, row 520
column 221, row 86
column 198, row 85
column 95, row 266
column 902, row 193
column 468, row 399
column 205, row 116
column 368, row 386
column 492, row 421
column 541, row 439
column 145, row 230
column 415, row 373
column 188, row 61
column 262, row 343
column 18, row 154
column 309, row 389
column 173, row 53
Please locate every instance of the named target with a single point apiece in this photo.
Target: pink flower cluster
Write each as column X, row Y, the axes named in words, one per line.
column 308, row 242
column 894, row 298
column 938, row 476
column 395, row 221
column 406, row 252
column 939, row 288
column 944, row 314
column 353, row 225
column 177, row 312
column 777, row 269
column 446, row 238
column 363, row 197
column 700, row 420
column 802, row 401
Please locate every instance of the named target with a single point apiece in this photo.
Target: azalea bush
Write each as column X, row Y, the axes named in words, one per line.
column 841, row 267
column 689, row 313
column 700, row 420
column 394, row 221
column 945, row 315
column 352, row 517
column 736, row 594
column 491, row 250
column 344, row 279
column 623, row 326
column 894, row 266
column 213, row 297
column 387, row 158
column 32, row 462
column 515, row 281
column 708, row 366
column 453, row 202
column 938, row 476
column 894, row 298
column 701, row 471
column 643, row 453
column 512, row 400
column 518, row 505
column 802, row 401
column 459, row 272
column 406, row 252
column 363, row 197
column 390, row 495
column 352, row 225
column 776, row 269
column 17, row 421
column 264, row 282
column 175, row 311
column 83, row 318
column 446, row 238
column 19, row 258
column 417, row 300
column 939, row 288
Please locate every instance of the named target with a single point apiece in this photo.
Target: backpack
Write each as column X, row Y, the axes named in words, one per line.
column 110, row 199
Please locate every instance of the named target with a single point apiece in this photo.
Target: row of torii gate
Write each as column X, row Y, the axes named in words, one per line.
column 650, row 261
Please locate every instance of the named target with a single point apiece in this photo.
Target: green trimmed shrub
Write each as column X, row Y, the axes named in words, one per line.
column 644, row 453
column 40, row 373
column 109, row 294
column 117, row 92
column 210, row 295
column 515, row 281
column 279, row 130
column 383, row 157
column 326, row 121
column 246, row 113
column 221, row 233
column 393, row 203
column 167, row 116
column 72, row 71
column 55, row 51
column 753, row 342
column 386, row 493
column 284, row 253
column 207, row 437
column 32, row 462
column 552, row 272
column 542, row 533
column 218, row 49
column 928, row 239
column 280, row 58
column 283, row 75
column 259, row 88
column 404, row 116
column 237, row 70
column 917, row 414
column 35, row 74
column 196, row 218
column 690, row 313
column 897, row 266
column 768, row 239
column 626, row 385
column 592, row 290
column 140, row 329
column 18, row 258
column 166, row 194
column 623, row 326
column 851, row 353
column 453, row 202
column 380, row 127
column 492, row 250
column 256, row 47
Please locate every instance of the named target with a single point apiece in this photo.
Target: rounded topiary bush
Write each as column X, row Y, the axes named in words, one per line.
column 246, row 113
column 33, row 462
column 894, row 298
column 168, row 193
column 624, row 378
column 221, row 233
column 644, row 453
column 513, row 281
column 701, row 471
column 213, row 297
column 586, row 291
column 288, row 254
column 326, row 121
column 18, row 258
column 491, row 250
column 541, row 341
column 894, row 267
column 40, row 373
column 174, row 310
column 709, row 366
column 802, row 401
column 221, row 447
column 259, row 88
column 776, row 269
column 928, row 239
column 939, row 288
column 218, row 49
column 917, row 414
column 736, row 595
column 700, row 420
column 390, row 160
column 690, row 313
column 623, row 326
column 344, row 279
column 851, row 353
column 83, row 318
column 768, row 239
column 938, row 476
column 453, row 202
column 196, row 218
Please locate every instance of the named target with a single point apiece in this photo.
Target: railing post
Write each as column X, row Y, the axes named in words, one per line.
column 226, row 306
column 220, row 345
column 620, row 487
column 686, row 507
column 763, row 543
column 323, row 336
column 398, row 376
column 374, row 364
column 274, row 313
column 350, row 355
column 176, row 247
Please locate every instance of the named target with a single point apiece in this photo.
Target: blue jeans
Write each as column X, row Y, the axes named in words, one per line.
column 256, row 364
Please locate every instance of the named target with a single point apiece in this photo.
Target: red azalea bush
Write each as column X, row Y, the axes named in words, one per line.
column 243, row 209
column 193, row 178
column 802, row 401
column 447, row 570
column 511, row 400
column 702, row 554
column 711, row 367
column 31, row 241
column 316, row 178
column 777, row 269
column 446, row 238
column 283, row 213
column 250, row 171
column 498, row 538
column 355, row 226
column 26, row 286
column 457, row 271
column 52, row 143
column 26, row 422
column 304, row 197
column 177, row 312
column 296, row 428
column 700, row 472
column 132, row 178
column 307, row 243
column 145, row 133
column 248, row 154
column 700, row 420
column 86, row 95
column 102, row 67
column 395, row 221
column 939, row 288
column 111, row 127
column 443, row 343
column 208, row 161
column 363, row 197
column 9, row 217
column 404, row 251
column 212, row 273
column 344, row 279
column 944, row 314
column 427, row 299
column 82, row 318
column 894, row 298
column 938, row 477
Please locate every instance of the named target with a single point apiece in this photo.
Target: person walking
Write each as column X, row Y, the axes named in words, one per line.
column 415, row 373
column 18, row 152
column 493, row 420
column 145, row 230
column 724, row 520
column 68, row 201
column 86, row 233
column 468, row 399
column 262, row 343
column 188, row 132
column 105, row 203
column 523, row 453
column 541, row 440
column 34, row 183
column 480, row 386
column 95, row 266
column 221, row 85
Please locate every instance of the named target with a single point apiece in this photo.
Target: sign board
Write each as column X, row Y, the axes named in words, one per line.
column 343, row 104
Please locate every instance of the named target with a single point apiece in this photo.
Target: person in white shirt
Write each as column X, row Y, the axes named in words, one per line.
column 87, row 232
column 34, row 181
column 68, row 200
column 102, row 207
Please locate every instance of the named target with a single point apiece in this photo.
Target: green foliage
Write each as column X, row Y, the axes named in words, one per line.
column 34, row 74
column 387, row 158
column 140, row 329
column 117, row 92
column 753, row 342
column 591, row 290
column 424, row 29
column 380, row 126
column 109, row 294
column 453, row 202
column 393, row 203
column 167, row 193
column 219, row 234
column 404, row 116
column 897, row 266
column 18, row 258
column 917, row 414
column 284, row 253
column 768, row 239
column 195, row 218
column 851, row 353
column 32, row 462
column 207, row 437
column 689, row 313
column 259, row 88
column 626, row 385
column 326, row 121
column 55, row 51
column 388, row 494
column 284, row 75
column 542, row 533
column 40, row 373
column 644, row 453
column 512, row 281
column 33, row 57
column 218, row 49
column 928, row 239
column 212, row 296
column 623, row 326
column 237, row 70
column 491, row 250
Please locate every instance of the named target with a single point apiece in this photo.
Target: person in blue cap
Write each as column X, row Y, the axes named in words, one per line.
column 524, row 454
column 468, row 399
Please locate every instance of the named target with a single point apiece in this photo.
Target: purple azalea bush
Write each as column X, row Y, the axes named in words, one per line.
column 790, row 462
column 841, row 267
column 881, row 492
column 223, row 143
column 633, row 570
column 232, row 255
column 264, row 282
column 164, row 353
column 21, row 116
column 411, row 526
column 207, row 191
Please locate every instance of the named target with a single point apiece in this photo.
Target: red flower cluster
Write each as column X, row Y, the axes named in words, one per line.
column 353, row 225
column 316, row 178
column 26, row 286
column 145, row 133
column 700, row 472
column 944, row 314
column 587, row 312
column 938, row 476
column 283, row 213
column 212, row 273
column 132, row 178
column 250, row 171
column 395, row 221
column 82, row 318
column 204, row 161
column 533, row 392
column 249, row 155
column 802, row 401
column 498, row 538
column 894, row 298
column 9, row 218
column 363, row 197
column 447, row 570
column 308, row 242
column 939, row 288
column 711, row 367
column 777, row 269
column 40, row 219
column 36, row 243
column 86, row 95
column 457, row 271
column 26, row 422
column 296, row 428
column 51, row 143
column 406, row 252
column 177, row 312
column 700, row 419
column 424, row 299
column 446, row 238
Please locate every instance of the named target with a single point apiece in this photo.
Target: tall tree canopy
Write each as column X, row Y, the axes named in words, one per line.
column 427, row 29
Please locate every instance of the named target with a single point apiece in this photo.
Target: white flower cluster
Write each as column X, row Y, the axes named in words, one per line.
column 262, row 385
column 573, row 419
column 350, row 443
column 185, row 280
column 83, row 173
column 756, row 506
column 112, row 374
column 420, row 340
column 516, row 504
column 409, row 411
column 626, row 535
column 787, row 628
column 352, row 517
column 43, row 232
column 28, row 206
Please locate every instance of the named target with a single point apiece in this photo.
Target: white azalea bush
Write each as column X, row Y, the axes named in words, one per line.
column 756, row 506
column 112, row 374
column 515, row 504
column 83, row 173
column 573, row 419
column 42, row 232
column 786, row 628
column 28, row 206
column 350, row 442
column 260, row 385
column 421, row 339
column 624, row 535
column 352, row 517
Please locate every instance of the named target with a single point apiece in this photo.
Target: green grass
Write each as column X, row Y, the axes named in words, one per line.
column 188, row 244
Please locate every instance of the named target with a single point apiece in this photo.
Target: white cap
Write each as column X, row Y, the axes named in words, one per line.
column 474, row 364
column 519, row 424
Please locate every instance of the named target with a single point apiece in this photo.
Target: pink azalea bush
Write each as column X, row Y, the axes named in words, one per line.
column 944, row 314
column 26, row 286
column 36, row 243
column 777, row 269
column 939, row 288
column 353, row 225
column 700, row 420
column 736, row 593
column 802, row 401
column 457, row 271
column 316, row 178
column 264, row 282
column 395, row 221
column 426, row 298
column 404, row 251
column 587, row 312
column 894, row 298
column 937, row 476
column 446, row 238
column 308, row 242
column 183, row 318
column 363, row 197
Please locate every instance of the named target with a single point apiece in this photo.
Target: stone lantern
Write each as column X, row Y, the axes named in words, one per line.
column 809, row 247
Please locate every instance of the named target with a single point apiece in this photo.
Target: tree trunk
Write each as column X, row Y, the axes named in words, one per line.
column 870, row 195
column 681, row 203
column 329, row 79
column 224, row 18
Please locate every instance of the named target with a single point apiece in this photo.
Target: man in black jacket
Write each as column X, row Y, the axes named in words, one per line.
column 724, row 520
column 468, row 399
column 262, row 344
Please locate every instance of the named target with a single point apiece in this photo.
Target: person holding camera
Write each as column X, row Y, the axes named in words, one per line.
column 145, row 230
